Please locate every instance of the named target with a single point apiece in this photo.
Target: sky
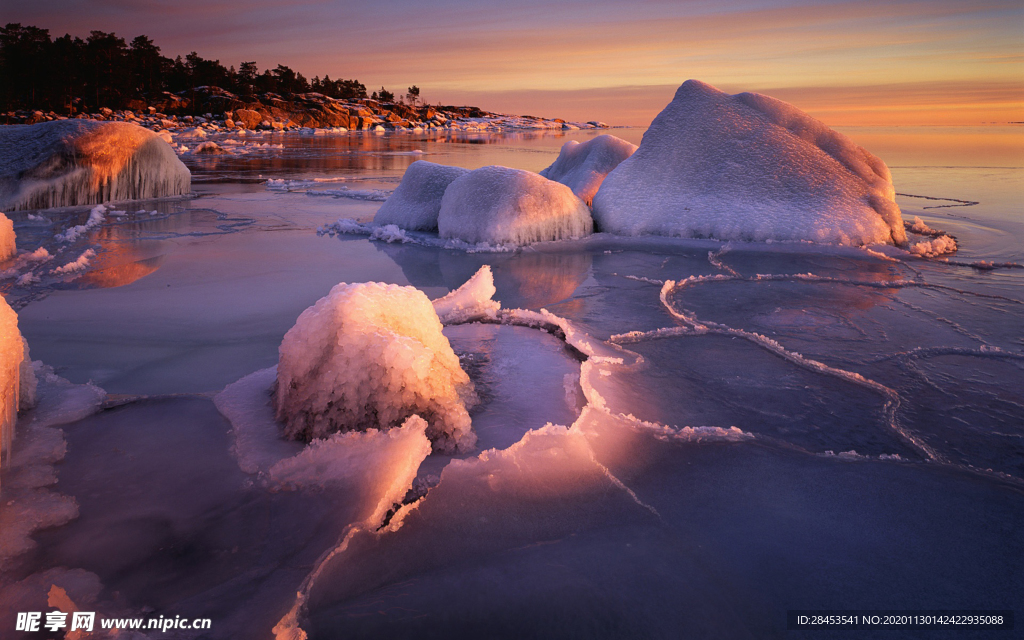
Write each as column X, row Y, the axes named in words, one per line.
column 867, row 62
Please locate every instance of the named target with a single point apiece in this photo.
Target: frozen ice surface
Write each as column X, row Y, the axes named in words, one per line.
column 748, row 167
column 529, row 280
column 368, row 356
column 7, row 246
column 583, row 166
column 28, row 503
column 499, row 205
column 26, row 380
column 258, row 439
column 600, row 531
column 707, row 524
column 525, row 379
column 416, row 201
column 74, row 162
column 344, row 458
column 339, row 460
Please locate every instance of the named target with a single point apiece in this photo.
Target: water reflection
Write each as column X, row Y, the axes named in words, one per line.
column 527, row 279
column 287, row 155
column 124, row 253
column 118, row 275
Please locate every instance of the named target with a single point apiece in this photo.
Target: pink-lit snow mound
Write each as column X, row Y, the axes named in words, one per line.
column 748, row 167
column 499, row 205
column 369, row 356
column 17, row 380
column 75, row 162
column 416, row 202
column 7, row 247
column 583, row 166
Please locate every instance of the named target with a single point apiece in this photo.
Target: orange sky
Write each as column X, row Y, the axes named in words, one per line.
column 869, row 62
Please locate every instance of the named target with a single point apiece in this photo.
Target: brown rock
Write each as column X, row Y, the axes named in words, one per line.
column 248, row 118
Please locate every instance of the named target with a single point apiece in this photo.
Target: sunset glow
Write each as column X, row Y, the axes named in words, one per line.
column 849, row 63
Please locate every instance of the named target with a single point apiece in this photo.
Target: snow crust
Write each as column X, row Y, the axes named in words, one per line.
column 416, row 201
column 501, row 205
column 936, row 242
column 7, row 246
column 471, row 301
column 933, row 247
column 583, row 166
column 369, row 356
column 748, row 167
column 75, row 162
column 391, row 457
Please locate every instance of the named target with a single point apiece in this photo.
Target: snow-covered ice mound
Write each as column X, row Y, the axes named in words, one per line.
column 369, row 356
column 417, row 200
column 583, row 166
column 75, row 162
column 17, row 380
column 7, row 247
column 498, row 205
column 748, row 167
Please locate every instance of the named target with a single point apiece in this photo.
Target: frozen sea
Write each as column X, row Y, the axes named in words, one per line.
column 786, row 427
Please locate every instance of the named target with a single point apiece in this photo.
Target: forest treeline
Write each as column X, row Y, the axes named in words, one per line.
column 70, row 75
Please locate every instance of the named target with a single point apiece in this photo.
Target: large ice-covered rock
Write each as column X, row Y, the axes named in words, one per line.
column 76, row 162
column 748, row 167
column 7, row 247
column 583, row 166
column 369, row 356
column 416, row 202
column 499, row 205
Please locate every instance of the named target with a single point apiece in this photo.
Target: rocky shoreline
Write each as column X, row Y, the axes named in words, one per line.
column 218, row 109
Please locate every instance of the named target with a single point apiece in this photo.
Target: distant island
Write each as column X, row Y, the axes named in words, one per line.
column 105, row 77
